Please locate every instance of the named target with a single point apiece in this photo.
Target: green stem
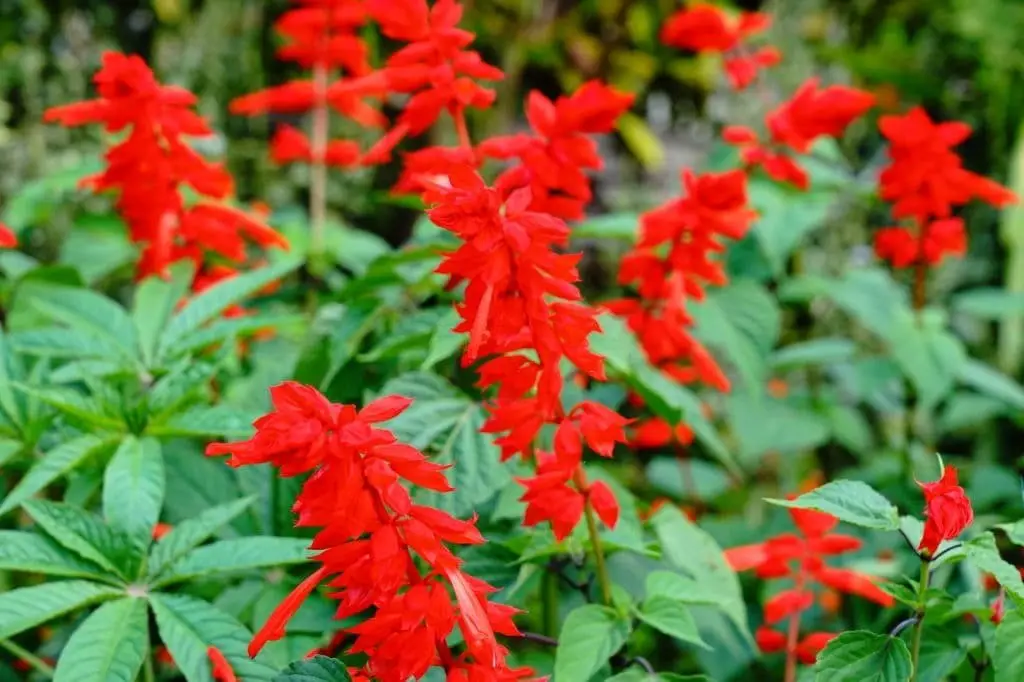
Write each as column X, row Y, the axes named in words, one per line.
column 37, row 663
column 550, row 603
column 605, row 584
column 919, row 627
column 148, row 674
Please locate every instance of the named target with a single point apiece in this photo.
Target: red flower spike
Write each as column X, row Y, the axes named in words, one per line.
column 785, row 604
column 8, row 240
column 814, row 112
column 604, row 503
column 150, row 166
column 221, row 668
column 769, row 641
column 947, row 511
column 370, row 535
column 809, row 647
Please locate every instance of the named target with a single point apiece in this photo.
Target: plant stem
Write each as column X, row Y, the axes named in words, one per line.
column 462, row 129
column 550, row 603
column 41, row 666
column 919, row 628
column 793, row 634
column 580, row 479
column 148, row 675
column 318, row 168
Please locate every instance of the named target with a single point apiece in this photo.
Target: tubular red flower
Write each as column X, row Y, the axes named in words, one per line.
column 947, row 511
column 8, row 240
column 221, row 668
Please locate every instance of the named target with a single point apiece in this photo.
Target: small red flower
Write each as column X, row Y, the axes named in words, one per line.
column 221, row 668
column 947, row 511
column 8, row 240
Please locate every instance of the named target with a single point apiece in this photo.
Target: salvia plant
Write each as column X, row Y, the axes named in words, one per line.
column 245, row 453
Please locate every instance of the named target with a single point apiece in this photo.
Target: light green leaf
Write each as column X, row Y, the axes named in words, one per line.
column 447, row 422
column 237, row 554
column 989, row 303
column 785, row 217
column 590, row 635
column 764, row 424
column 109, row 646
column 444, row 342
column 702, row 480
column 860, row 656
column 76, row 405
column 316, row 669
column 224, row 330
column 27, row 607
column 193, row 532
column 82, row 533
column 622, row 226
column 31, row 553
column 133, row 489
column 218, row 298
column 154, row 303
column 854, row 502
column 641, row 141
column 211, row 423
column 815, row 352
column 984, row 554
column 54, row 464
column 89, row 313
column 1014, row 531
column 991, row 382
column 669, row 585
column 941, row 655
column 1008, row 658
column 59, row 342
column 672, row 618
column 189, row 626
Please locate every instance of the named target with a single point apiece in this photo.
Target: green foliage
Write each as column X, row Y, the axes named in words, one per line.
column 860, row 656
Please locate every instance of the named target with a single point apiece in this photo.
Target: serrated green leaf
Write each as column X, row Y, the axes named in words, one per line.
column 1008, row 657
column 984, row 554
column 52, row 465
column 346, row 335
column 109, row 646
column 444, row 342
column 210, row 423
column 861, row 656
column 941, row 655
column 22, row 551
column 237, row 554
column 764, row 424
column 27, row 607
column 89, row 313
column 447, row 422
column 590, row 635
column 133, row 489
column 680, row 588
column 189, row 626
column 815, row 352
column 222, row 331
column 76, row 405
column 316, row 669
column 180, row 540
column 671, row 617
column 155, row 300
column 84, row 534
column 59, row 342
column 991, row 382
column 854, row 502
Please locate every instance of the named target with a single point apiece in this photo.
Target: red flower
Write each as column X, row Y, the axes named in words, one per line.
column 222, row 670
column 161, row 529
column 8, row 240
column 947, row 511
column 369, row 533
column 814, row 112
column 150, row 166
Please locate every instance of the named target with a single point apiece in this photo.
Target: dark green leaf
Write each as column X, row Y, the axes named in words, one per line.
column 29, row 606
column 82, row 533
column 193, row 532
column 316, row 669
column 237, row 554
column 133, row 489
column 590, row 635
column 54, row 464
column 854, row 502
column 672, row 618
column 109, row 646
column 984, row 554
column 21, row 551
column 860, row 656
column 1008, row 658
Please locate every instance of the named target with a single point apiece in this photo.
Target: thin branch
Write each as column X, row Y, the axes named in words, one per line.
column 903, row 625
column 538, row 638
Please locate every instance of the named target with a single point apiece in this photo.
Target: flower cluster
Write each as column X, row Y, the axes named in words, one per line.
column 706, row 28
column 320, row 36
column 925, row 180
column 947, row 512
column 377, row 549
column 799, row 559
column 151, row 166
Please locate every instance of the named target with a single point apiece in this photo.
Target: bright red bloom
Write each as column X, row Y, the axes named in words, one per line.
column 8, row 240
column 369, row 532
column 553, row 159
column 161, row 529
column 814, row 112
column 706, row 28
column 811, row 645
column 902, row 248
column 947, row 511
column 150, row 166
column 221, row 668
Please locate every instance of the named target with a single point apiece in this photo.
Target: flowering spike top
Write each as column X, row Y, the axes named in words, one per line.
column 379, row 551
column 553, row 159
column 947, row 511
column 706, row 28
column 800, row 558
column 151, row 164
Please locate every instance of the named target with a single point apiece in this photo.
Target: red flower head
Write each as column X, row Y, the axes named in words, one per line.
column 8, row 240
column 813, row 112
column 221, row 668
column 947, row 511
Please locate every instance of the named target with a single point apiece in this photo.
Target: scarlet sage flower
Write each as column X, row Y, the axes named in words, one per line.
column 947, row 511
column 221, row 668
column 800, row 560
column 553, row 159
column 8, row 240
column 153, row 163
column 706, row 28
column 371, row 535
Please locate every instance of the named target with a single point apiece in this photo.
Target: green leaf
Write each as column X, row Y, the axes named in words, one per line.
column 29, row 606
column 1008, row 658
column 346, row 336
column 764, row 424
column 702, row 480
column 109, row 646
column 666, row 584
column 83, row 534
column 412, row 332
column 180, row 540
column 991, row 382
column 989, row 303
column 133, row 489
column 815, row 352
column 224, row 330
column 58, row 342
column 785, row 217
column 693, row 550
column 444, row 342
column 316, row 669
column 89, row 313
column 54, row 464
column 854, row 502
column 590, row 635
column 941, row 655
column 446, row 421
column 77, row 406
column 672, row 618
column 1014, row 531
column 638, row 674
column 622, row 226
column 237, row 554
column 210, row 423
column 861, row 656
column 155, row 300
column 641, row 141
column 31, row 553
column 189, row 626
column 218, row 298
column 984, row 554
